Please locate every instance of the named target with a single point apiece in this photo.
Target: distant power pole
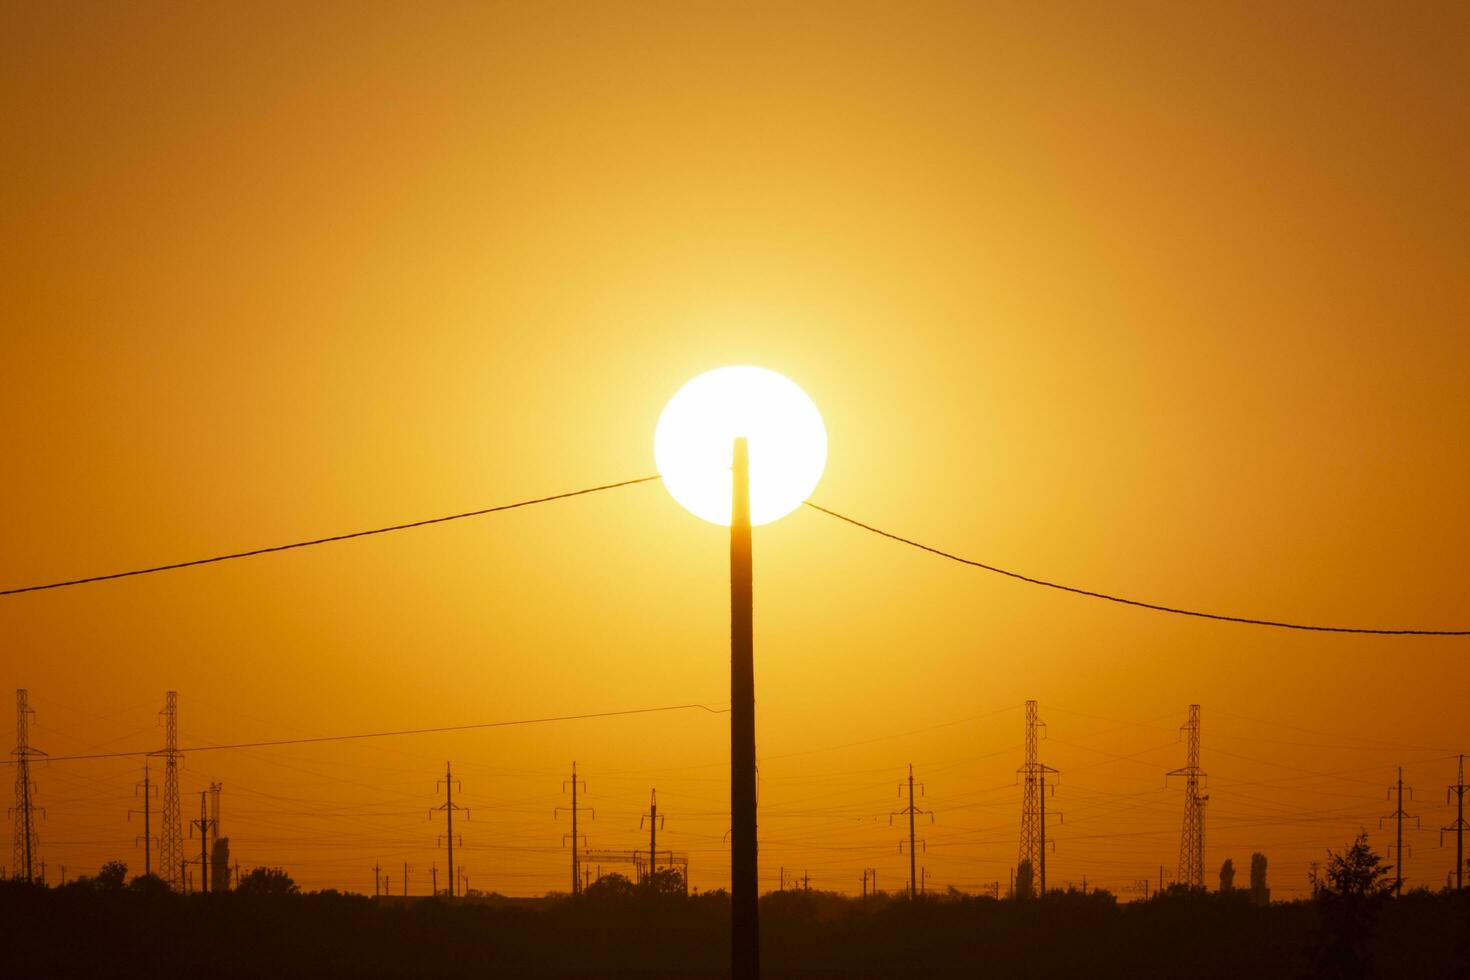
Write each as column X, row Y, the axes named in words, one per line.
column 1041, row 799
column 576, row 839
column 654, row 823
column 377, row 880
column 405, row 879
column 1458, row 826
column 449, row 807
column 24, row 812
column 205, row 825
column 434, row 879
column 171, row 841
column 1398, row 816
column 148, row 790
column 1192, row 837
column 911, row 811
column 869, row 875
column 1031, row 773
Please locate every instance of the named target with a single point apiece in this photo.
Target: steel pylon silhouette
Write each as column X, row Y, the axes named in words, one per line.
column 26, row 842
column 171, row 838
column 1192, row 837
column 1031, row 775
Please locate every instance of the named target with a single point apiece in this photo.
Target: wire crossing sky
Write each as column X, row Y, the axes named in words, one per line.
column 1156, row 607
column 310, row 740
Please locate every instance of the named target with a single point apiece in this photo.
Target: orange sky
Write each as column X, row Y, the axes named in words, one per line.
column 1147, row 299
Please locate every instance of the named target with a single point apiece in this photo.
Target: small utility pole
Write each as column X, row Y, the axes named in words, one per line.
column 911, row 811
column 1042, row 891
column 405, row 879
column 1398, row 816
column 576, row 839
column 377, row 880
column 449, row 807
column 1042, row 771
column 654, row 822
column 147, row 788
column 204, row 823
column 434, row 878
column 1458, row 826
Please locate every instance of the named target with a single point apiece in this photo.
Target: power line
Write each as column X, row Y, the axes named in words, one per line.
column 831, row 513
column 389, row 734
column 1128, row 602
column 327, row 540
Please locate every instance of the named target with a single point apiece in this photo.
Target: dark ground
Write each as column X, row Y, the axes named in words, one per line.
column 93, row 932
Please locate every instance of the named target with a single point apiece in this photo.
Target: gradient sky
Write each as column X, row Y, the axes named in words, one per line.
column 1165, row 300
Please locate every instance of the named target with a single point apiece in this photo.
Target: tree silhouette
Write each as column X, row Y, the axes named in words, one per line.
column 1227, row 876
column 1355, row 873
column 1025, row 880
column 1260, row 893
column 112, row 876
column 266, row 881
column 611, row 886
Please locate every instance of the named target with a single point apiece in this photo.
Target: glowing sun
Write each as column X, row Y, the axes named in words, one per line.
column 693, row 443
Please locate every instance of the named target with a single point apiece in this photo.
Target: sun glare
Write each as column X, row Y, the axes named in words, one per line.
column 693, row 443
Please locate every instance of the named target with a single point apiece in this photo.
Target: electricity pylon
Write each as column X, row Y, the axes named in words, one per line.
column 171, row 840
column 576, row 839
column 1459, row 826
column 1192, row 837
column 1031, row 774
column 24, row 811
column 1398, row 816
column 449, row 807
column 911, row 811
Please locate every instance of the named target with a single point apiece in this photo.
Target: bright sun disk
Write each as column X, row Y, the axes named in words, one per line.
column 694, row 441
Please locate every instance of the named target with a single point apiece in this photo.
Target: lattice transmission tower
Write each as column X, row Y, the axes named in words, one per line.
column 171, row 836
column 1192, row 837
column 1031, row 780
column 27, row 844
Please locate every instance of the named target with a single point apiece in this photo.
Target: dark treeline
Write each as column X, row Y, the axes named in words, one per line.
column 104, row 929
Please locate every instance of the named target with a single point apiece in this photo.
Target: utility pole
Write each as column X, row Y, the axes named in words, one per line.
column 1458, row 826
column 434, row 879
column 449, row 807
column 1041, row 798
column 1192, row 837
column 171, row 842
column 654, row 823
column 215, row 872
column 205, row 825
column 744, row 866
column 377, row 880
column 911, row 811
column 869, row 875
column 148, row 789
column 1398, row 816
column 26, row 842
column 1031, row 772
column 576, row 839
column 405, row 879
